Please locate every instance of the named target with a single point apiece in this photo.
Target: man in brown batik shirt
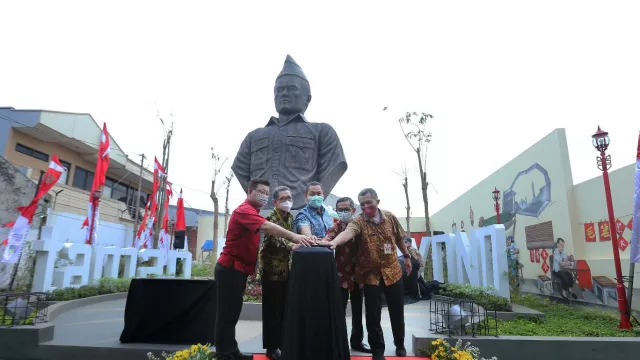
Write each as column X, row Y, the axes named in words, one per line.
column 378, row 233
column 346, row 264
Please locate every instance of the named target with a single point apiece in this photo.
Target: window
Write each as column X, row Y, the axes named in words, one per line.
column 31, row 152
column 82, row 179
column 65, row 175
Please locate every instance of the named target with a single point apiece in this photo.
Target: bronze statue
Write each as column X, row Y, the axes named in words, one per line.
column 289, row 150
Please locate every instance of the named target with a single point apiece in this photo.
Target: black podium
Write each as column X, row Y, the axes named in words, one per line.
column 170, row 311
column 315, row 326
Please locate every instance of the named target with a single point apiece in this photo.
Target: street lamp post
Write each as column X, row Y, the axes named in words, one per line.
column 496, row 198
column 601, row 143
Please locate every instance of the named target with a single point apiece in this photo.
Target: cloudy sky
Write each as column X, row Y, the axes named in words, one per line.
column 496, row 75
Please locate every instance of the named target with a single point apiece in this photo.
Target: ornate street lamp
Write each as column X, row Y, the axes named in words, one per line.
column 496, row 198
column 601, row 143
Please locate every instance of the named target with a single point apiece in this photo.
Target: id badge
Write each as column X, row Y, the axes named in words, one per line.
column 387, row 249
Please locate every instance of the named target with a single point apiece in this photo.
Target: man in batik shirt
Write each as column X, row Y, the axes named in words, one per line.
column 346, row 263
column 275, row 257
column 378, row 234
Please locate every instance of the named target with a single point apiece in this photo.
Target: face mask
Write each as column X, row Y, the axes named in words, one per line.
column 345, row 216
column 370, row 211
column 260, row 199
column 286, row 206
column 315, row 201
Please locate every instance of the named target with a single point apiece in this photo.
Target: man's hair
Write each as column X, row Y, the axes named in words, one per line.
column 560, row 239
column 313, row 183
column 253, row 184
column 369, row 191
column 278, row 190
column 409, row 240
column 346, row 199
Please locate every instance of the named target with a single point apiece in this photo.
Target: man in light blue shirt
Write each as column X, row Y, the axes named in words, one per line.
column 314, row 219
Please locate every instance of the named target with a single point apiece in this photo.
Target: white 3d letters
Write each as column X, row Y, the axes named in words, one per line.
column 479, row 259
column 46, row 255
column 105, row 261
column 77, row 274
column 156, row 257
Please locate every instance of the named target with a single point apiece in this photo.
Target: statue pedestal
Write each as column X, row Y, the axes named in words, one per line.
column 315, row 326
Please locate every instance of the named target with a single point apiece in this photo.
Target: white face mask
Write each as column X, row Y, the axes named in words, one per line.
column 286, row 206
column 345, row 216
column 260, row 199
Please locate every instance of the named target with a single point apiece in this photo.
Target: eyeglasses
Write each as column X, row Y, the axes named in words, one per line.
column 284, row 199
column 263, row 192
column 343, row 210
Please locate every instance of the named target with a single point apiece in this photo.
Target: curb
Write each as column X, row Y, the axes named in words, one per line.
column 61, row 307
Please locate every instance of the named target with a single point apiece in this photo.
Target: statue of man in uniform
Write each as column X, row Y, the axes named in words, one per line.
column 291, row 151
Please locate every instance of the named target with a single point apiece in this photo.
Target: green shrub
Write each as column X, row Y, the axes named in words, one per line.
column 7, row 319
column 202, row 270
column 483, row 296
column 105, row 286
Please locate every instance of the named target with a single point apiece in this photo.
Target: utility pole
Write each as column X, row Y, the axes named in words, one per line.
column 137, row 212
column 163, row 184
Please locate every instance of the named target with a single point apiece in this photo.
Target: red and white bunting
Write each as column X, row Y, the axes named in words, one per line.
column 20, row 227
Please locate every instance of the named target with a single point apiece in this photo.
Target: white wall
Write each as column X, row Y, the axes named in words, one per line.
column 67, row 226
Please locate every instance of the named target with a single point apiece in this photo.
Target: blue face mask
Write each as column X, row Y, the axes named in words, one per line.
column 315, row 201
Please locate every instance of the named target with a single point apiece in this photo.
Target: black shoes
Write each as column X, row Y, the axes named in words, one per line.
column 378, row 357
column 273, row 354
column 362, row 347
column 401, row 351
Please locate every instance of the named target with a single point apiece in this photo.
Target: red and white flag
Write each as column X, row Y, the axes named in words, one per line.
column 20, row 227
column 634, row 257
column 180, row 221
column 99, row 178
column 143, row 226
column 164, row 238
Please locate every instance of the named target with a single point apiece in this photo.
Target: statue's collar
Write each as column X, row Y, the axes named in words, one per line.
column 275, row 121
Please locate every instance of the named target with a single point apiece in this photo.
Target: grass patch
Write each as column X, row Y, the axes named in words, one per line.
column 483, row 296
column 202, row 270
column 564, row 321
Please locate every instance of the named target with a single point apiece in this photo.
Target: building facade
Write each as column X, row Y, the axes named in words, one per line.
column 28, row 139
column 540, row 204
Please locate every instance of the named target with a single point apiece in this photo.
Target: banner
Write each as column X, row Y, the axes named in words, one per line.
column 20, row 227
column 620, row 227
column 99, row 179
column 589, row 232
column 635, row 227
column 604, row 231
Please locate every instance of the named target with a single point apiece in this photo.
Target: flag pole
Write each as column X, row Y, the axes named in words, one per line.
column 94, row 203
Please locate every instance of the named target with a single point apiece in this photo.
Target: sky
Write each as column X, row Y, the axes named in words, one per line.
column 497, row 76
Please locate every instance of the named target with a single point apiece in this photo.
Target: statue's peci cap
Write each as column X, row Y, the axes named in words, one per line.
column 290, row 67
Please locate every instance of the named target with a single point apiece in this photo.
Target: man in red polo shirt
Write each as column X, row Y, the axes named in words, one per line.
column 238, row 260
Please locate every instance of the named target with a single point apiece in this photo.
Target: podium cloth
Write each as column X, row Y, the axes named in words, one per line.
column 170, row 311
column 315, row 327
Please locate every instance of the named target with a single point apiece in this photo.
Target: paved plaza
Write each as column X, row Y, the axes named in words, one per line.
column 100, row 325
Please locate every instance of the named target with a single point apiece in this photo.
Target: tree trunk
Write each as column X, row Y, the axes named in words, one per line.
column 226, row 211
column 405, row 185
column 214, row 197
column 425, row 199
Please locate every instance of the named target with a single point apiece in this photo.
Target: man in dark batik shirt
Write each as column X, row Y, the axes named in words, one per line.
column 346, row 263
column 291, row 151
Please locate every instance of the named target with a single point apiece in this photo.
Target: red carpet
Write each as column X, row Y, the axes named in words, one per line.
column 262, row 357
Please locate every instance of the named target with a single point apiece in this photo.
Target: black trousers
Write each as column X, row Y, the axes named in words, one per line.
column 231, row 285
column 566, row 279
column 357, row 331
column 394, row 295
column 274, row 295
